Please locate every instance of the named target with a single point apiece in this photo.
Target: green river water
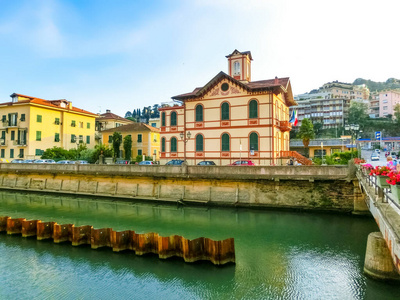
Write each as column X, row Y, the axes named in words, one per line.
column 279, row 254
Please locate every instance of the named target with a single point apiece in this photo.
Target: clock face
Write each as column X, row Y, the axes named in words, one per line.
column 225, row 87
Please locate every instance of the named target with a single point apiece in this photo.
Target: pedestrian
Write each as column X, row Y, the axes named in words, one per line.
column 389, row 163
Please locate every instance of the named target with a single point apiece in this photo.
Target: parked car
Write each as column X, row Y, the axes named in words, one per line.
column 50, row 161
column 39, row 161
column 82, row 162
column 206, row 163
column 122, row 162
column 242, row 163
column 394, row 154
column 17, row 161
column 175, row 162
column 378, row 151
column 374, row 156
column 29, row 161
column 65, row 162
column 146, row 163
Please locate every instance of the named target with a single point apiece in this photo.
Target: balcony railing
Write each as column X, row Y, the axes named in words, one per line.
column 284, row 126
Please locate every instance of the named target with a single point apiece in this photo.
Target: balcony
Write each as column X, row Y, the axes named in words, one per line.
column 284, row 126
column 19, row 143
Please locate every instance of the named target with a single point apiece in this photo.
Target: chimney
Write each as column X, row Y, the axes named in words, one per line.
column 276, row 81
column 69, row 105
column 108, row 111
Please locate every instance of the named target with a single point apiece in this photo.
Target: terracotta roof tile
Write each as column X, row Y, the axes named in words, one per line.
column 132, row 127
column 110, row 115
column 49, row 103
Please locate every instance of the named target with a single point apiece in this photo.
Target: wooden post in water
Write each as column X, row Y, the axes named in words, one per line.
column 62, row 233
column 3, row 223
column 14, row 226
column 45, row 230
column 122, row 240
column 100, row 238
column 81, row 235
column 29, row 228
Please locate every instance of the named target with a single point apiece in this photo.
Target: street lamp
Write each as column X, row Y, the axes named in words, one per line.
column 354, row 128
column 185, row 139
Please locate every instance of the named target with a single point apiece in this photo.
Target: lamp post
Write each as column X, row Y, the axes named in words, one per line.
column 354, row 128
column 185, row 139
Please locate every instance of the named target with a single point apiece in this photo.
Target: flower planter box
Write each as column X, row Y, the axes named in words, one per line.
column 395, row 190
column 381, row 181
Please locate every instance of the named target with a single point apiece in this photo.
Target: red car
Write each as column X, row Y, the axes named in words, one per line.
column 242, row 163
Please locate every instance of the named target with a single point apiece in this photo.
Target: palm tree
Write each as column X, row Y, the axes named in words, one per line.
column 306, row 133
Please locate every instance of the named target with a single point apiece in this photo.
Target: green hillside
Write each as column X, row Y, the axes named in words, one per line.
column 391, row 83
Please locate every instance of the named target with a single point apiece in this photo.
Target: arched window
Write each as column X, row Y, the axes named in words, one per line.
column 199, row 113
column 163, row 145
column 236, row 68
column 173, row 118
column 199, row 142
column 254, row 141
column 225, row 142
column 225, row 111
column 173, row 144
column 163, row 119
column 253, row 109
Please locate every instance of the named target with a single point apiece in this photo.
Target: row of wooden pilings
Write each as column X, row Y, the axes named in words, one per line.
column 218, row 252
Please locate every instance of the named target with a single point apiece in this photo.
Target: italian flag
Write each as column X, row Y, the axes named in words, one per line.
column 293, row 118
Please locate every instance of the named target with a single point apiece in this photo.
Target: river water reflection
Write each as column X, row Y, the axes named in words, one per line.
column 279, row 255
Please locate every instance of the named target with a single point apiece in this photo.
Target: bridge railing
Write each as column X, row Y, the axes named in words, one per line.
column 384, row 193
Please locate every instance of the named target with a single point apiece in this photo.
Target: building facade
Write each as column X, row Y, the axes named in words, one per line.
column 230, row 118
column 387, row 101
column 145, row 139
column 331, row 112
column 108, row 120
column 31, row 125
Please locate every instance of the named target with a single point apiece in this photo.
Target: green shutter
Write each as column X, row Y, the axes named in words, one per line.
column 57, row 121
column 163, row 119
column 11, row 153
column 3, row 152
column 199, row 113
column 225, row 111
column 38, row 135
column 88, row 125
column 73, row 138
column 199, row 143
column 173, row 145
column 173, row 118
column 39, row 118
column 225, row 142
column 163, row 145
column 254, row 141
column 57, row 137
column 88, row 139
column 253, row 109
column 22, row 117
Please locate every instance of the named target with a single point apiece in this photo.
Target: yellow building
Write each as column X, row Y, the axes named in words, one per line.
column 145, row 139
column 230, row 118
column 108, row 120
column 31, row 125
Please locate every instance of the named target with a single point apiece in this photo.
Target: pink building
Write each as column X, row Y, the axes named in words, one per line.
column 387, row 102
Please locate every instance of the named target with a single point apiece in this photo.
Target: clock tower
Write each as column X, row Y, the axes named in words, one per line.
column 239, row 64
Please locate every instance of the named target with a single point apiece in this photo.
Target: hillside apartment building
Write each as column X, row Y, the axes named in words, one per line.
column 330, row 104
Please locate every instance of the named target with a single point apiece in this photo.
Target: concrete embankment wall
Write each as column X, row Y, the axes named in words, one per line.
column 296, row 187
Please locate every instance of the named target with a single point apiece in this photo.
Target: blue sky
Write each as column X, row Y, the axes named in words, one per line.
column 122, row 55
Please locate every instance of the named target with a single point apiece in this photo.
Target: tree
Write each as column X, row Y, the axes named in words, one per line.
column 318, row 128
column 128, row 147
column 116, row 142
column 397, row 113
column 358, row 113
column 306, row 133
column 128, row 114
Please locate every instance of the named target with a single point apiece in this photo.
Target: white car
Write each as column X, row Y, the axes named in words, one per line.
column 374, row 156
